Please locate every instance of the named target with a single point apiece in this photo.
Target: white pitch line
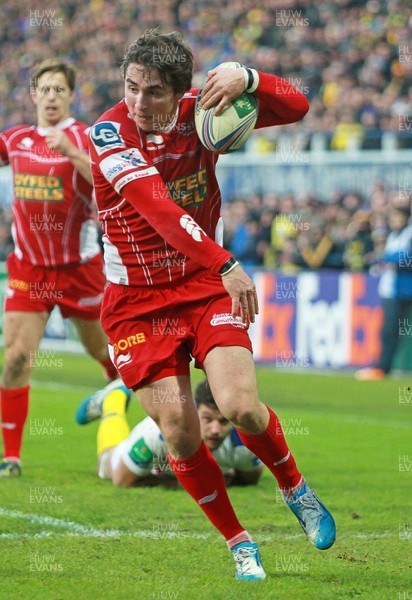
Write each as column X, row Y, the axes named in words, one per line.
column 78, row 530
column 176, row 535
column 30, row 536
column 75, row 528
column 167, row 535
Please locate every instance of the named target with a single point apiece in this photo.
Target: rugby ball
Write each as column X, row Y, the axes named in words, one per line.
column 228, row 131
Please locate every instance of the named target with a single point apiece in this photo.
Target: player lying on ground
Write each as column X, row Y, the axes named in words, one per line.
column 57, row 259
column 139, row 457
column 158, row 196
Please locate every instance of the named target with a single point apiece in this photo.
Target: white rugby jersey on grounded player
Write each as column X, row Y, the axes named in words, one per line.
column 145, row 451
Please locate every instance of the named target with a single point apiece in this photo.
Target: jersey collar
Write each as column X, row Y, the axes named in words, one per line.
column 62, row 125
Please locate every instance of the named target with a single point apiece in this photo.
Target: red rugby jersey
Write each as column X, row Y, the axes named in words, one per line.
column 52, row 206
column 157, row 193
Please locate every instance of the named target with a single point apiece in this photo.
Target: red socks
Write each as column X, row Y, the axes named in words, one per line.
column 110, row 370
column 202, row 478
column 14, row 409
column 272, row 449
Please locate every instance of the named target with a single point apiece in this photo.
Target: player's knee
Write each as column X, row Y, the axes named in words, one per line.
column 243, row 416
column 16, row 364
column 240, row 409
column 173, row 433
column 237, row 401
column 181, row 441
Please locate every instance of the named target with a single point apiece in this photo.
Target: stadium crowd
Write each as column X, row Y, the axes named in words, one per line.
column 299, row 232
column 353, row 59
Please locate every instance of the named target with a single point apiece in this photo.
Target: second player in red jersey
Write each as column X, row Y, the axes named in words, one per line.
column 53, row 222
column 57, row 259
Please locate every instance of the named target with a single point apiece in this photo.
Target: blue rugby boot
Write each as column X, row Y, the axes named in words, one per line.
column 248, row 562
column 92, row 407
column 314, row 518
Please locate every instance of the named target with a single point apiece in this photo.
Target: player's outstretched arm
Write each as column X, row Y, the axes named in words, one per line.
column 58, row 140
column 171, row 222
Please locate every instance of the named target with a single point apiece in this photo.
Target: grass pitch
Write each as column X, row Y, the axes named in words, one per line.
column 67, row 535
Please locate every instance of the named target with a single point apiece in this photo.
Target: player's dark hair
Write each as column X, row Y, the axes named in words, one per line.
column 203, row 395
column 53, row 65
column 167, row 53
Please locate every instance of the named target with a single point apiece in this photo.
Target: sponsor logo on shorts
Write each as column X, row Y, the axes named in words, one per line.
column 105, row 136
column 227, row 319
column 125, row 343
column 91, row 300
column 122, row 360
column 18, row 284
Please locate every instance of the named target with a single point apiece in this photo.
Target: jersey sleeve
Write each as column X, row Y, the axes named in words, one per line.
column 132, row 175
column 4, row 153
column 279, row 102
column 177, row 227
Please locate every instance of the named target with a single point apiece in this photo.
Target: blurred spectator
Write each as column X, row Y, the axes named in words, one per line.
column 314, row 247
column 244, row 243
column 352, row 59
column 395, row 289
column 359, row 248
column 6, row 240
column 301, row 232
column 348, row 134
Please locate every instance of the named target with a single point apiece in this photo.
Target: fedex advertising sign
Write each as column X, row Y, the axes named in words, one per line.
column 319, row 319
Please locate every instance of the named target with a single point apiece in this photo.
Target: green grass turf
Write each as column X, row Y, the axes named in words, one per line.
column 347, row 437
